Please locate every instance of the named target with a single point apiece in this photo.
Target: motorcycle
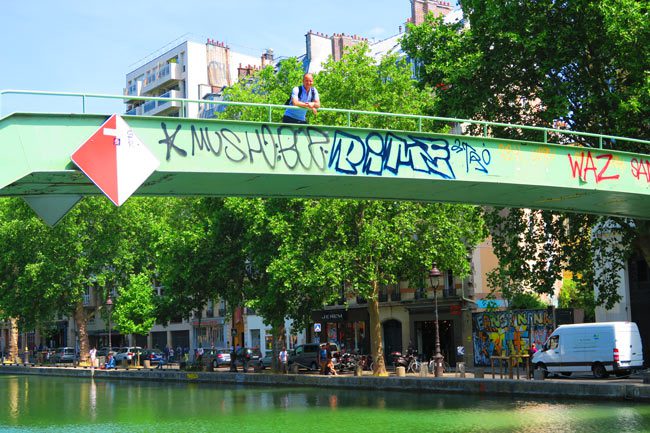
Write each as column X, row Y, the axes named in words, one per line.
column 410, row 361
column 347, row 362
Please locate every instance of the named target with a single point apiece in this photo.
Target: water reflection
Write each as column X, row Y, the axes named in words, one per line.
column 75, row 404
column 13, row 398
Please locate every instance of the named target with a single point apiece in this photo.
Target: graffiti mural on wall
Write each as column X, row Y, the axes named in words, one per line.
column 508, row 332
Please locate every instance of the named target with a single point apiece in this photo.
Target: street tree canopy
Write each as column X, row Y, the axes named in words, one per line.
column 578, row 64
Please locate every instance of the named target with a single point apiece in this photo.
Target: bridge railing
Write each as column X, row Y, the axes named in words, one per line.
column 486, row 127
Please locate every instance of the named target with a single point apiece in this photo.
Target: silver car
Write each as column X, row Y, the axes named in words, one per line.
column 127, row 353
column 216, row 357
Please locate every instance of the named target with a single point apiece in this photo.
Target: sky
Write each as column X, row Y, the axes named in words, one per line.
column 89, row 46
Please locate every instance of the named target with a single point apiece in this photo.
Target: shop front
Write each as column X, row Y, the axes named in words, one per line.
column 348, row 328
column 423, row 329
column 209, row 332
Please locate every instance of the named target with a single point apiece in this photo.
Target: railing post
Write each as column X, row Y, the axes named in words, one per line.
column 270, row 114
column 349, row 119
column 600, row 142
column 485, row 129
column 420, row 124
column 83, row 104
column 545, row 136
column 183, row 110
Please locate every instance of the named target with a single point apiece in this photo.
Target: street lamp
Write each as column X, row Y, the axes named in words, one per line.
column 109, row 305
column 434, row 275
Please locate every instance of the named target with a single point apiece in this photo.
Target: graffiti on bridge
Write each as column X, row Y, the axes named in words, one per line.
column 374, row 153
column 479, row 161
column 640, row 169
column 508, row 332
column 300, row 146
column 584, row 165
column 379, row 153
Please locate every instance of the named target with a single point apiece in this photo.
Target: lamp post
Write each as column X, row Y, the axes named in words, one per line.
column 109, row 305
column 434, row 275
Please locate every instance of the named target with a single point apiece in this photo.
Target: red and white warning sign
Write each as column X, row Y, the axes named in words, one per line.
column 116, row 160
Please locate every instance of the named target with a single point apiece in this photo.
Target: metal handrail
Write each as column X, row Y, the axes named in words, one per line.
column 348, row 112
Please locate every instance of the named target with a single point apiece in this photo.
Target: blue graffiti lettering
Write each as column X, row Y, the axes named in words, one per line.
column 473, row 157
column 379, row 153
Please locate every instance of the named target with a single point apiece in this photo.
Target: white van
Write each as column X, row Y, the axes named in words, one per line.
column 602, row 348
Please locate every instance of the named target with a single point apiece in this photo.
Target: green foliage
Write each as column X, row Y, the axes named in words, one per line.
column 265, row 86
column 526, row 301
column 358, row 82
column 201, row 258
column 46, row 271
column 581, row 62
column 133, row 312
column 571, row 297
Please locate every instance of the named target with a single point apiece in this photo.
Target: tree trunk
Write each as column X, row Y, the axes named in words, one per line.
column 376, row 345
column 81, row 318
column 279, row 341
column 13, row 339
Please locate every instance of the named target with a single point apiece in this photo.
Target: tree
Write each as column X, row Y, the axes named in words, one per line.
column 302, row 251
column 526, row 301
column 571, row 297
column 133, row 313
column 50, row 269
column 545, row 63
column 368, row 244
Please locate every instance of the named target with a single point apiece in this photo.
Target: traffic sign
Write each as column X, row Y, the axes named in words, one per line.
column 316, row 327
column 115, row 160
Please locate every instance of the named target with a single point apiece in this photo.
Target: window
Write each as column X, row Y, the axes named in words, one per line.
column 255, row 338
column 553, row 342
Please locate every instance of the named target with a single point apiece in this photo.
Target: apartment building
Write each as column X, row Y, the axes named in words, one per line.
column 191, row 70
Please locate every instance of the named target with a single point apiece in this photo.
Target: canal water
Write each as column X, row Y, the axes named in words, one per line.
column 51, row 404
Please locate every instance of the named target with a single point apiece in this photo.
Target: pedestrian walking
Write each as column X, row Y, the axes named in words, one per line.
column 283, row 357
column 93, row 357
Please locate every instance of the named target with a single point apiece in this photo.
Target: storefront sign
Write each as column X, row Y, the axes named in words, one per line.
column 334, row 316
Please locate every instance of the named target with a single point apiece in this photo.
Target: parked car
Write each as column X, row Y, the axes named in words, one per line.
column 252, row 355
column 305, row 355
column 127, row 353
column 216, row 357
column 104, row 351
column 64, row 354
column 153, row 356
column 267, row 360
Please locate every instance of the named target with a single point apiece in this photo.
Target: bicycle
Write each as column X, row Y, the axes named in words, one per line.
column 414, row 366
column 446, row 368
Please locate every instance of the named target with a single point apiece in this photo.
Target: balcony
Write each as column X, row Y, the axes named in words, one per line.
column 135, row 111
column 158, row 108
column 132, row 90
column 166, row 76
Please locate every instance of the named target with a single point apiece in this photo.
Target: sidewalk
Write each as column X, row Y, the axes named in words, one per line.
column 576, row 388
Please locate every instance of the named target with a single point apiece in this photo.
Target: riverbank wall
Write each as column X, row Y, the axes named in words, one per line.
column 564, row 389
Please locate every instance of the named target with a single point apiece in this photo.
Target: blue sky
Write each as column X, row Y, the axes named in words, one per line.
column 89, row 46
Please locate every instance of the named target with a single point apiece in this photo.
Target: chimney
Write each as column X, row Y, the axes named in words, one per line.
column 420, row 9
column 267, row 57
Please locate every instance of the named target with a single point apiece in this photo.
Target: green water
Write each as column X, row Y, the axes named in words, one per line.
column 50, row 404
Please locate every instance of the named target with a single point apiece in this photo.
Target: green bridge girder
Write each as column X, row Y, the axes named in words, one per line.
column 200, row 157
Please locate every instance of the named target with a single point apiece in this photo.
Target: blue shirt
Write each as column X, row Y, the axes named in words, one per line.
column 301, row 114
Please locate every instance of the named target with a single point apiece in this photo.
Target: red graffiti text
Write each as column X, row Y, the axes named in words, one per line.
column 586, row 165
column 641, row 169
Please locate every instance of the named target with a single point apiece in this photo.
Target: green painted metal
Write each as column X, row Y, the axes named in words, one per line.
column 230, row 158
column 486, row 125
